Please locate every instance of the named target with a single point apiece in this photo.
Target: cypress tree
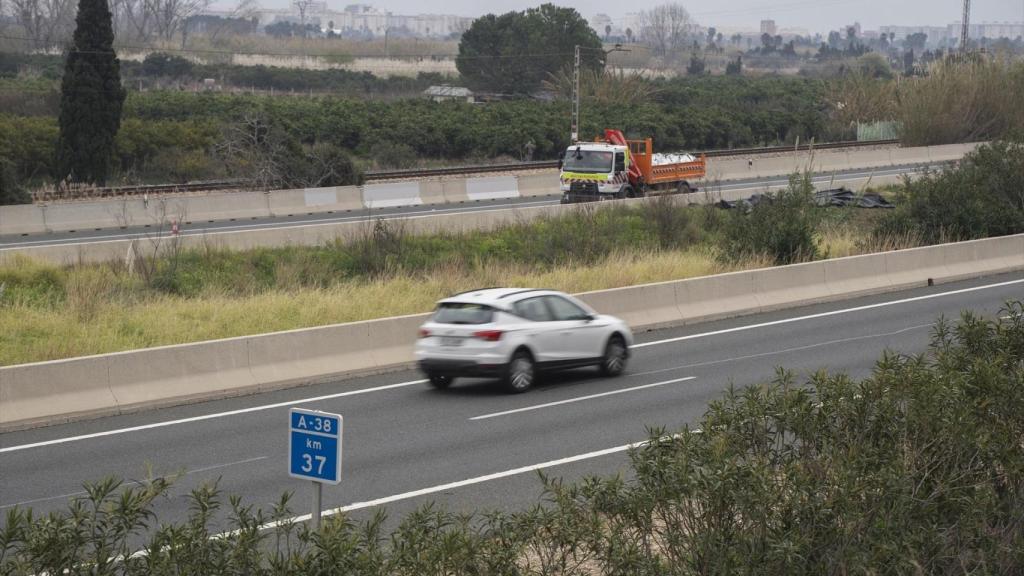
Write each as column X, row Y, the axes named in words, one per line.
column 91, row 98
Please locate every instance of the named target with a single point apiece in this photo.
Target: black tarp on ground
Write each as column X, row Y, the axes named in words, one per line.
column 834, row 197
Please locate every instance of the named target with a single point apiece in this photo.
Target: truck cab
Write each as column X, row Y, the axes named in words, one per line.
column 595, row 171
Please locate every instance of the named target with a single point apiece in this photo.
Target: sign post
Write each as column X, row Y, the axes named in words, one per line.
column 314, row 451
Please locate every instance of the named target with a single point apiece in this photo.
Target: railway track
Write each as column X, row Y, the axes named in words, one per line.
column 382, row 176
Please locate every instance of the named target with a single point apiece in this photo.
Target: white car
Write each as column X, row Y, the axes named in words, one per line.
column 512, row 334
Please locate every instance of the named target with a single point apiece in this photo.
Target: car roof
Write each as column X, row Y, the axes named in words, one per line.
column 495, row 297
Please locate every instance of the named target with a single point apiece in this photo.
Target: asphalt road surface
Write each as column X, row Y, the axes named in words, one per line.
column 473, row 446
column 84, row 236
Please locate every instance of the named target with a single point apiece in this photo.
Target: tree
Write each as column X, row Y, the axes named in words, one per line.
column 735, row 67
column 10, row 192
column 607, row 31
column 513, row 53
column 696, row 66
column 46, row 23
column 917, row 41
column 711, row 34
column 629, row 35
column 91, row 98
column 666, row 28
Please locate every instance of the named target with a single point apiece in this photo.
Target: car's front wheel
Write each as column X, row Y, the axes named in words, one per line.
column 613, row 362
column 440, row 381
column 521, row 372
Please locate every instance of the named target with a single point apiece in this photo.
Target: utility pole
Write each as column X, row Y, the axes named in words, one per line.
column 575, row 136
column 964, row 29
column 576, row 98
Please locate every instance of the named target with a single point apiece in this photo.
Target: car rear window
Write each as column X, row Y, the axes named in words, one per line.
column 463, row 313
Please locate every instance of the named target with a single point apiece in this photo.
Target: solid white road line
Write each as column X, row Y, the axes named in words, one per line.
column 827, row 314
column 403, row 384
column 580, row 398
column 208, row 416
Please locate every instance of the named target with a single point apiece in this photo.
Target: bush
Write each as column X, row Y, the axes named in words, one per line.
column 981, row 197
column 10, row 191
column 782, row 226
column 916, row 469
column 161, row 64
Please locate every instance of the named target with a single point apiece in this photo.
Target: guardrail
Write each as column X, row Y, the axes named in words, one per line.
column 63, row 390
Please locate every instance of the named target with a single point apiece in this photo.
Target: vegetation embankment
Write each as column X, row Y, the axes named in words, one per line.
column 917, row 468
column 49, row 312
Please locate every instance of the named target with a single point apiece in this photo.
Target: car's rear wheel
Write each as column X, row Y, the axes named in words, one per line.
column 521, row 372
column 441, row 381
column 615, row 355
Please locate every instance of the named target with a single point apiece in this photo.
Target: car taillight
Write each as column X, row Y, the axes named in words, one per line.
column 424, row 333
column 488, row 335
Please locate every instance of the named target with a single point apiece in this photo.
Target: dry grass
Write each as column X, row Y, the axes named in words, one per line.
column 94, row 321
column 103, row 311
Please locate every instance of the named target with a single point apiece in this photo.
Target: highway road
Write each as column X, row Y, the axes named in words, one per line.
column 847, row 178
column 473, row 446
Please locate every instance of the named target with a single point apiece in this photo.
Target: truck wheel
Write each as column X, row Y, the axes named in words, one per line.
column 683, row 188
column 627, row 192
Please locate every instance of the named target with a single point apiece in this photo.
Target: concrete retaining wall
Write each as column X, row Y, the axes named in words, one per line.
column 158, row 212
column 51, row 392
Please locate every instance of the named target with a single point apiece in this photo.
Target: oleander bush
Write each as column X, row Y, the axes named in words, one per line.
column 983, row 196
column 916, row 469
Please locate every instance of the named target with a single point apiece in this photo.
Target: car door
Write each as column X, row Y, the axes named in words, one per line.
column 582, row 336
column 543, row 334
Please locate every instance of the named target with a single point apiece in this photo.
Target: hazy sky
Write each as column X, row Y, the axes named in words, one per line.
column 819, row 16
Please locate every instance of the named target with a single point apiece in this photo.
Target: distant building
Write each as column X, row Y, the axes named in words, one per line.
column 991, row 30
column 366, row 21
column 768, row 27
column 936, row 34
column 449, row 93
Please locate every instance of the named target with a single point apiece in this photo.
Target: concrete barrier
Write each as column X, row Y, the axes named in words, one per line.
column 392, row 195
column 949, row 152
column 56, row 391
column 716, row 296
column 432, row 192
column 309, row 355
column 455, row 191
column 154, row 376
column 857, row 275
column 22, row 219
column 650, row 305
column 531, row 185
column 492, row 188
column 99, row 215
column 315, row 200
column 50, row 392
column 779, row 287
column 214, row 207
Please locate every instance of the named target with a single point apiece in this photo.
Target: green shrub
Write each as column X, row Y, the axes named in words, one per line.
column 10, row 191
column 981, row 197
column 783, row 226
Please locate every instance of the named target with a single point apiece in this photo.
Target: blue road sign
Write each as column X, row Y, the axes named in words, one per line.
column 314, row 445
